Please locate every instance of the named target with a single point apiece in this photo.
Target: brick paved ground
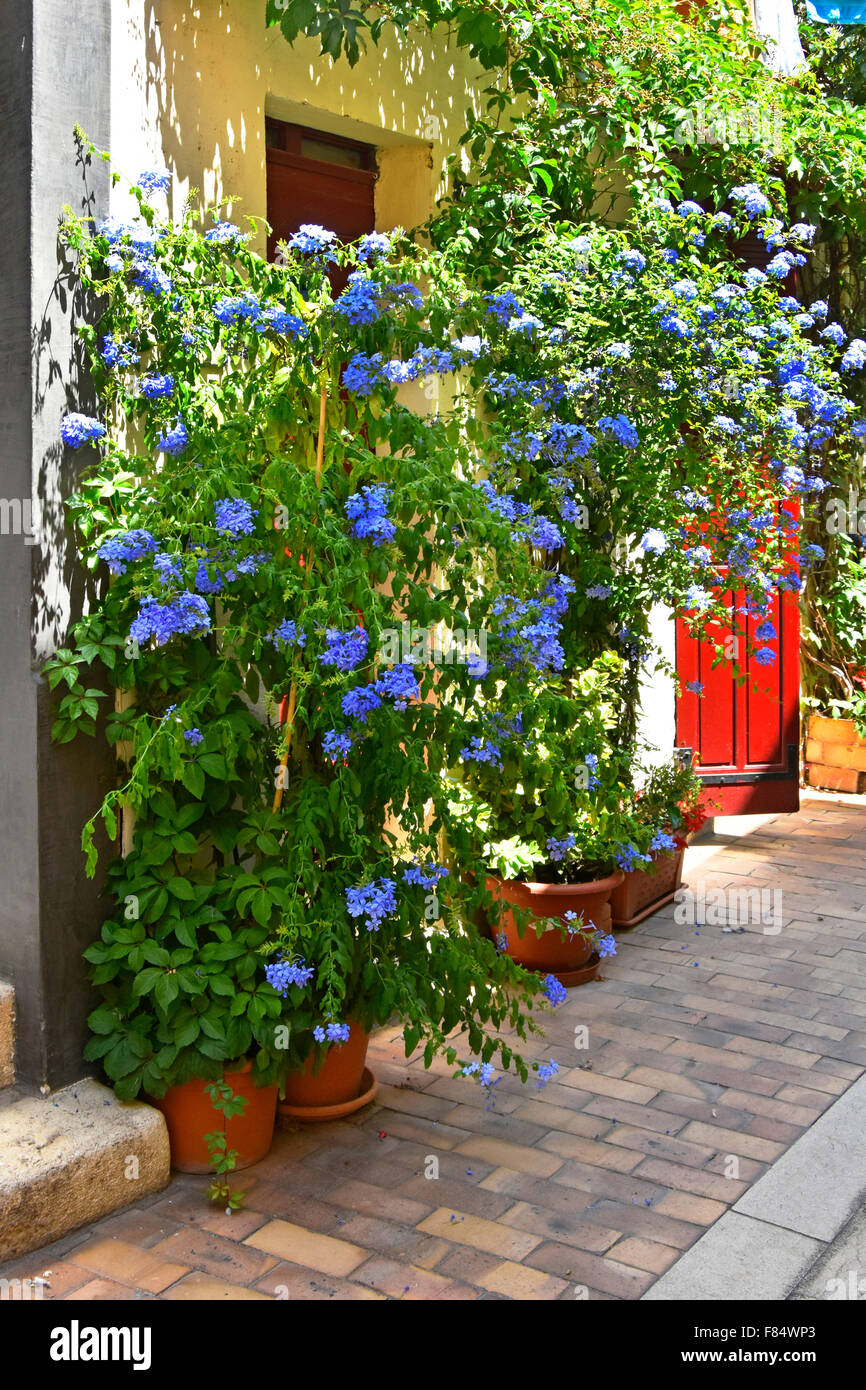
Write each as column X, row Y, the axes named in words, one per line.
column 708, row 1052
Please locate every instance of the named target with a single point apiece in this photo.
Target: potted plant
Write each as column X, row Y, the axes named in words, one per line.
column 543, row 799
column 669, row 807
column 302, row 570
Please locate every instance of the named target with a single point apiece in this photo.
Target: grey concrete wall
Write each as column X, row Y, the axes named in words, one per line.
column 54, row 71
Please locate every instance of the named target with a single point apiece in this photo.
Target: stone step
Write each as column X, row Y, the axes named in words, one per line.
column 7, row 1035
column 72, row 1157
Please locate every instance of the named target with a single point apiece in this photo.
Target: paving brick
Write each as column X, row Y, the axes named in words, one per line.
column 648, row 1255
column 668, row 1081
column 468, row 1195
column 197, row 1287
column 587, row 1151
column 213, row 1255
column 107, row 1290
column 730, row 1141
column 465, row 1265
column 554, row 1225
column 607, row 1086
column 773, row 1108
column 687, row 1206
column 594, row 1271
column 680, row 1148
column 777, row 1130
column 319, row 1252
column 123, row 1263
column 520, row 1282
column 652, row 1117
column 410, row 1283
column 291, row 1283
column 490, row 1236
column 370, row 1200
column 500, row 1152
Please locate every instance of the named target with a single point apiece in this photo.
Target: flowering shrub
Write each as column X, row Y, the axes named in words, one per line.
column 266, row 515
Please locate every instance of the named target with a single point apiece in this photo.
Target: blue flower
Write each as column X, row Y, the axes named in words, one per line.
column 482, row 752
column 225, row 234
column 633, row 260
column 545, row 1072
column 182, row 616
column 287, row 634
column 373, row 244
column 331, row 1032
column 765, row 656
column 76, row 430
column 276, row 320
column 150, row 276
column 653, row 542
column 153, row 387
column 756, row 204
column 374, row 902
column 231, row 310
column 194, row 736
column 606, row 946
column 175, row 440
column 628, row 857
column 121, row 550
column 766, row 632
column 345, row 650
column 234, row 516
column 361, row 702
column 690, row 209
column 554, row 991
column 313, row 240
column 336, row 745
column 154, row 181
column 283, row 972
column 663, row 840
column 117, row 354
column 425, row 875
column 855, row 356
column 557, row 849
column 368, row 511
column 598, row 591
column 695, row 687
column 399, row 685
column 362, row 372
column 621, row 428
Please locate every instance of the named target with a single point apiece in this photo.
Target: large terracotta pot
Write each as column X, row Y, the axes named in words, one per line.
column 190, row 1115
column 544, row 950
column 645, row 891
column 343, row 1084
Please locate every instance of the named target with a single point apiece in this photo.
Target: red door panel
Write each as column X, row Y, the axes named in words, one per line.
column 746, row 735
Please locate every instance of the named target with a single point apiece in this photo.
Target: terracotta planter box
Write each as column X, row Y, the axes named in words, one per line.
column 835, row 755
column 643, row 891
column 572, row 961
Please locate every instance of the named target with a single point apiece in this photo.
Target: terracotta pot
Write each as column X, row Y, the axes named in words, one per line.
column 544, row 950
column 340, row 1082
column 190, row 1115
column 644, row 892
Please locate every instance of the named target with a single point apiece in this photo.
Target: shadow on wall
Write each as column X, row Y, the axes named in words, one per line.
column 61, row 588
column 211, row 71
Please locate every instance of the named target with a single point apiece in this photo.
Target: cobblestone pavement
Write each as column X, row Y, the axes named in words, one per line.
column 709, row 1053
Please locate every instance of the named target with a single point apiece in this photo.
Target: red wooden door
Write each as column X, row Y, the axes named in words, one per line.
column 746, row 734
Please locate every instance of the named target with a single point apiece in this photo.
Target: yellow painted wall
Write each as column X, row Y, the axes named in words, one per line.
column 192, row 84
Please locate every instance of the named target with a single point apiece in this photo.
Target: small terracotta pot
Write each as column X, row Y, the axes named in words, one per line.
column 545, row 950
column 644, row 892
column 190, row 1115
column 339, row 1083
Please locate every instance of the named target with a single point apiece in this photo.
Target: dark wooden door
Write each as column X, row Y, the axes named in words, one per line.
column 318, row 178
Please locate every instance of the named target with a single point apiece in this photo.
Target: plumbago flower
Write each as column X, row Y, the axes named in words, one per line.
column 258, row 572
